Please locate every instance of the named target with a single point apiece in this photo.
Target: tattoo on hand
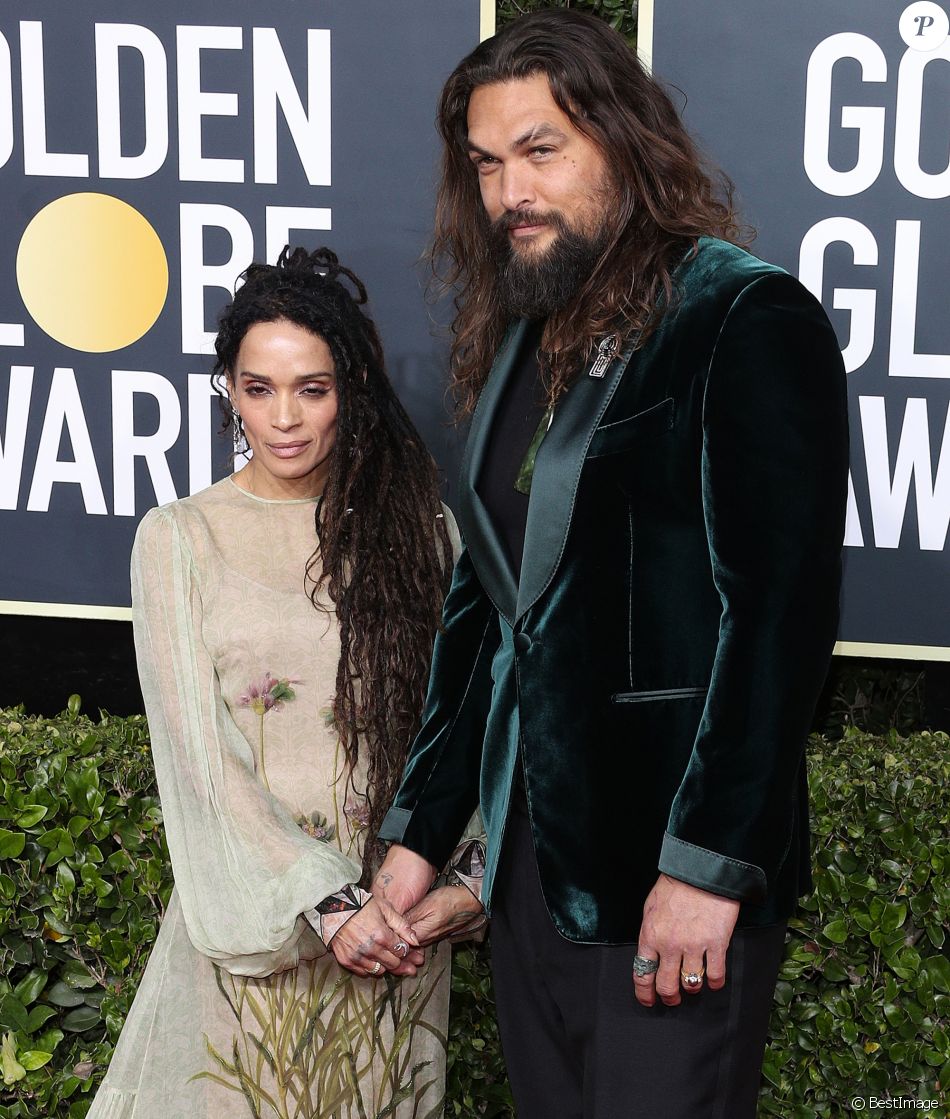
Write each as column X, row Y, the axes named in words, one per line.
column 383, row 879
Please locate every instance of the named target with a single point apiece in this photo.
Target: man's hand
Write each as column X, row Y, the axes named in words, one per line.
column 444, row 913
column 377, row 939
column 681, row 925
column 404, row 878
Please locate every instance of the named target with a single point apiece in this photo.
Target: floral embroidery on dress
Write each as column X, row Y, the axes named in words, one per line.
column 317, row 826
column 267, row 694
column 357, row 814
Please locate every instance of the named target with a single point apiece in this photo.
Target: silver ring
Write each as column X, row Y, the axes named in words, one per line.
column 401, row 949
column 691, row 979
column 643, row 966
column 376, row 968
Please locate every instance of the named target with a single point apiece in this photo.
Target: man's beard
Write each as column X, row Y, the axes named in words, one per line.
column 533, row 285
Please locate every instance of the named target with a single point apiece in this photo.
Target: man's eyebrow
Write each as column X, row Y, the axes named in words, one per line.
column 541, row 131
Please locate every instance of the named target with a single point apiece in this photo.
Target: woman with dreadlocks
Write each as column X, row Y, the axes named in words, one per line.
column 284, row 620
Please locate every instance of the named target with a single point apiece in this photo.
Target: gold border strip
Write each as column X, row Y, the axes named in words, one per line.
column 898, row 652
column 486, row 20
column 645, row 34
column 66, row 610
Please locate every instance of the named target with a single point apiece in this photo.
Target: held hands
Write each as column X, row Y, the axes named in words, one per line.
column 681, row 925
column 375, row 939
column 378, row 937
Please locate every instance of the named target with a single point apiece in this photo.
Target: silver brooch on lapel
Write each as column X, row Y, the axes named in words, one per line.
column 606, row 352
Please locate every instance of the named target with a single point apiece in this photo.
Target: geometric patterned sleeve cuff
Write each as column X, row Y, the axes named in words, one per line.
column 466, row 867
column 331, row 914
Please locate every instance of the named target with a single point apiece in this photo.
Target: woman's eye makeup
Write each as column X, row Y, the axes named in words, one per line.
column 307, row 388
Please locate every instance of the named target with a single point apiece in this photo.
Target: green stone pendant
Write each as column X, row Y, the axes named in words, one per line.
column 526, row 470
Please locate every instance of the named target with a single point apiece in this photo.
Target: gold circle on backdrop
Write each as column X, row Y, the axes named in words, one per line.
column 92, row 272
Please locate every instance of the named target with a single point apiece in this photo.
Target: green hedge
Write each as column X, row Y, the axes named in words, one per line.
column 620, row 14
column 862, row 1005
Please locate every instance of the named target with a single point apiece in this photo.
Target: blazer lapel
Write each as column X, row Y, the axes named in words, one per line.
column 481, row 538
column 557, row 472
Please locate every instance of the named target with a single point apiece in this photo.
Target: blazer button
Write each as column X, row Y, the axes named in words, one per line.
column 522, row 642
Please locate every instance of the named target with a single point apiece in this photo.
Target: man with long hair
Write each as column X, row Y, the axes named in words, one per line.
column 652, row 498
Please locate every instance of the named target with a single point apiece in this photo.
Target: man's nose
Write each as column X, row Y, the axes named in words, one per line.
column 517, row 189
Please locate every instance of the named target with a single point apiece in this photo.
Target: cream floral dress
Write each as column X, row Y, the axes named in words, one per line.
column 242, row 1012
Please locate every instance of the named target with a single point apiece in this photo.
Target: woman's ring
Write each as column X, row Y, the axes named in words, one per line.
column 376, row 968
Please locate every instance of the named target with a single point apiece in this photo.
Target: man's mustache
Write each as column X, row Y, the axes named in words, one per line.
column 511, row 219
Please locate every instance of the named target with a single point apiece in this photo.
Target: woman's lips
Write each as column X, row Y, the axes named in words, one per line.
column 287, row 450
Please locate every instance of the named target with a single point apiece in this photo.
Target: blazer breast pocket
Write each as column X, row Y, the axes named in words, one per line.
column 621, row 435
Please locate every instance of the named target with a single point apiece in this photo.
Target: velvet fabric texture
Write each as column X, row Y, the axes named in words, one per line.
column 660, row 659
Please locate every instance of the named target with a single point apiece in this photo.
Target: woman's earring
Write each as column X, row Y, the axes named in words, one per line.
column 241, row 445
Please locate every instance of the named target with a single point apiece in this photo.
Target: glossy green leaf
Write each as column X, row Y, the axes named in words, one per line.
column 894, row 916
column 29, row 988
column 31, row 814
column 39, row 1015
column 61, row 995
column 836, row 931
column 13, row 1014
column 34, row 1058
column 11, row 843
column 80, row 1019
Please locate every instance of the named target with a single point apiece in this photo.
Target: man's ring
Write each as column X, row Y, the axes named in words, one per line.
column 401, row 949
column 692, row 979
column 643, row 966
column 376, row 968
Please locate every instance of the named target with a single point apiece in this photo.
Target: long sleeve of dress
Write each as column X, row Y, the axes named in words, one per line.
column 244, row 870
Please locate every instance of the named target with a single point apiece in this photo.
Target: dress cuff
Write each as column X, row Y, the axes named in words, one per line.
column 466, row 867
column 331, row 914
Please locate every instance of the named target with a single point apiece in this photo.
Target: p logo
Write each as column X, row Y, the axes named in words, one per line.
column 924, row 26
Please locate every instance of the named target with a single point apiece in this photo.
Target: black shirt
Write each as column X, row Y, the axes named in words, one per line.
column 519, row 412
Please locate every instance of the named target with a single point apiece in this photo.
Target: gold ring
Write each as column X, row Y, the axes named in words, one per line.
column 376, row 968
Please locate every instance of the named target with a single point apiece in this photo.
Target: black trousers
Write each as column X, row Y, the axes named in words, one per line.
column 577, row 1043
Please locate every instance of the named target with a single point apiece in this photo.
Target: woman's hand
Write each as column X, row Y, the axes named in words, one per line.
column 375, row 939
column 443, row 913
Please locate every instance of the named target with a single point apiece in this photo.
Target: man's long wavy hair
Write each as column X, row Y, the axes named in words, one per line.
column 662, row 196
column 382, row 548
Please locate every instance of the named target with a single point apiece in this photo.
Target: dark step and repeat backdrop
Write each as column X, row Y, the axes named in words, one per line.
column 149, row 152
column 833, row 119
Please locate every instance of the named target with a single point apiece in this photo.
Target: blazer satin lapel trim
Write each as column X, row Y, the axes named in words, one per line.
column 557, row 472
column 485, row 546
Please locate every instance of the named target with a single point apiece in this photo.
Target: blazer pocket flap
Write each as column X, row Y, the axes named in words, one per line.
column 658, row 695
column 610, row 439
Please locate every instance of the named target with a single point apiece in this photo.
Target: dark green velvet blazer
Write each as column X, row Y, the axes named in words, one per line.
column 661, row 658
